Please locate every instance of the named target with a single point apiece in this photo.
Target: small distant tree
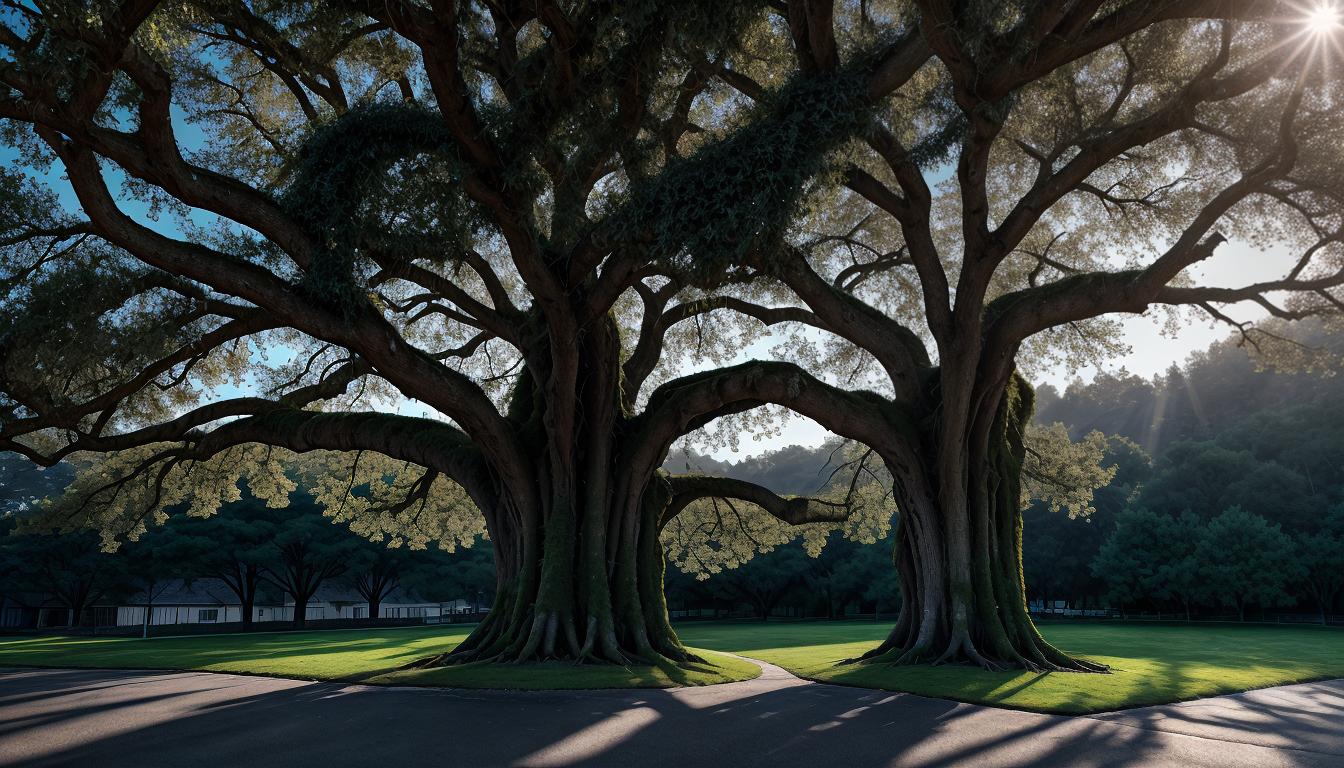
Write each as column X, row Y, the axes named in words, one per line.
column 764, row 581
column 1178, row 576
column 235, row 547
column 1058, row 553
column 1128, row 559
column 867, row 576
column 153, row 562
column 1321, row 555
column 70, row 567
column 465, row 572
column 1244, row 560
column 377, row 571
column 309, row 550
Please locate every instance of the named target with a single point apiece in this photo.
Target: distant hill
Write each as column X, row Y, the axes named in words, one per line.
column 793, row 469
column 1214, row 391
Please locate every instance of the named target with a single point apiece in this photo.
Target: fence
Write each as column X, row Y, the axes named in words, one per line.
column 234, row 627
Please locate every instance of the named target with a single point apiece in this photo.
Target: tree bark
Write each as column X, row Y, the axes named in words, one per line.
column 300, row 612
column 958, row 545
column 579, row 566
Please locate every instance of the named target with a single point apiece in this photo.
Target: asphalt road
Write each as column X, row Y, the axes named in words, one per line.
column 104, row 719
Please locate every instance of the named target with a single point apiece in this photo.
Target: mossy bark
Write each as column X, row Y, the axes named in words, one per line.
column 579, row 571
column 573, row 597
column 958, row 547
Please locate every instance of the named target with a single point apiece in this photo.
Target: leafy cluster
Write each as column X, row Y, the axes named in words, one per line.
column 731, row 198
column 377, row 177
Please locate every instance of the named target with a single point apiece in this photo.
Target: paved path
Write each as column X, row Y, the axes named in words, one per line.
column 106, row 719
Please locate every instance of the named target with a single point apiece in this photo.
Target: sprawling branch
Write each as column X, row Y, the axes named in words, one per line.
column 412, row 371
column 794, row 510
column 653, row 333
column 686, row 404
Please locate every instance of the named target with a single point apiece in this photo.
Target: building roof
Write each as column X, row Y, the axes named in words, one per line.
column 336, row 594
column 188, row 592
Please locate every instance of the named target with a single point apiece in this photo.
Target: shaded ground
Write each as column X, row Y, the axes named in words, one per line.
column 112, row 719
column 1150, row 663
column 333, row 654
column 359, row 655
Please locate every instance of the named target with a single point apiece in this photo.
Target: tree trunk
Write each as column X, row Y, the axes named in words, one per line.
column 149, row 610
column 585, row 585
column 579, row 565
column 300, row 612
column 958, row 546
column 375, row 607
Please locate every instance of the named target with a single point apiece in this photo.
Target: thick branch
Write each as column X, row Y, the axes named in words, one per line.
column 794, row 510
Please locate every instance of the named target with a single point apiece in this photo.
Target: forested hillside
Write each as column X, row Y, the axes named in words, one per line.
column 1222, row 446
column 1214, row 390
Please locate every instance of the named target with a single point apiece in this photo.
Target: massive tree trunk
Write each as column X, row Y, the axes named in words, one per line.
column 958, row 545
column 583, row 583
column 579, row 566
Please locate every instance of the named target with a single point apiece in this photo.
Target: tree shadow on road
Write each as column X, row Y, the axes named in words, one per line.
column 83, row 720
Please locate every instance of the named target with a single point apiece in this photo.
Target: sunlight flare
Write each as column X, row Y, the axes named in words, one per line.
column 1324, row 19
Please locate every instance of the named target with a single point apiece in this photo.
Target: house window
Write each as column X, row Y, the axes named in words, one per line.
column 359, row 613
column 207, row 614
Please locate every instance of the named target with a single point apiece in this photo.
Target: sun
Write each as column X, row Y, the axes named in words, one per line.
column 1324, row 18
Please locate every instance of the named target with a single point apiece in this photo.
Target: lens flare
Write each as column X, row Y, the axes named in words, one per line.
column 1324, row 19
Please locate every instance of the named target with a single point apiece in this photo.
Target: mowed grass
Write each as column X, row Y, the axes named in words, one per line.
column 1151, row 664
column 367, row 656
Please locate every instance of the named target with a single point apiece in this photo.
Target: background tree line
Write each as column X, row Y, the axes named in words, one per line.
column 257, row 552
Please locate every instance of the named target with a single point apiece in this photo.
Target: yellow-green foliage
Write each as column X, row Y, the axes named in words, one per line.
column 364, row 490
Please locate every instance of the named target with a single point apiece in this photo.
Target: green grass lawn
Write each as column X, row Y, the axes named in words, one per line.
column 367, row 656
column 1151, row 664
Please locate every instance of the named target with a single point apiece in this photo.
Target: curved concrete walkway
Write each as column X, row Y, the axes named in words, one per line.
column 104, row 718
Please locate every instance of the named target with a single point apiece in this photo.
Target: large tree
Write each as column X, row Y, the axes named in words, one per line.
column 529, row 218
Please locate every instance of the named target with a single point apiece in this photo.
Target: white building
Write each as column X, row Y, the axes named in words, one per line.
column 210, row 601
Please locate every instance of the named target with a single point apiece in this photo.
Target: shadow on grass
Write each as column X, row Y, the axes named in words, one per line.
column 568, row 676
column 307, row 654
column 1150, row 664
